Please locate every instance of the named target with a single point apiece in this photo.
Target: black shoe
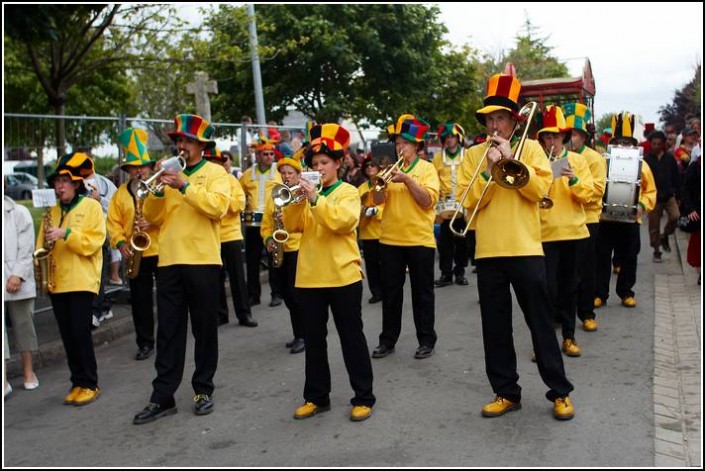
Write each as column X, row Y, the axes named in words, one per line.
column 375, row 299
column 143, row 353
column 254, row 301
column 474, row 270
column 276, row 301
column 290, row 343
column 382, row 351
column 444, row 280
column 664, row 243
column 298, row 346
column 248, row 322
column 202, row 404
column 153, row 412
column 423, row 352
column 461, row 280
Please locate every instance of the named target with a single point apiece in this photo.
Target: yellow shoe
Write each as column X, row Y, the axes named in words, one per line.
column 598, row 303
column 500, row 406
column 571, row 348
column 589, row 325
column 86, row 396
column 309, row 409
column 360, row 413
column 616, row 269
column 71, row 396
column 629, row 301
column 563, row 408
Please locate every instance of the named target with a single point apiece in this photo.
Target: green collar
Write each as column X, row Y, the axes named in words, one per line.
column 564, row 154
column 452, row 155
column 65, row 208
column 413, row 164
column 582, row 148
column 191, row 170
column 329, row 190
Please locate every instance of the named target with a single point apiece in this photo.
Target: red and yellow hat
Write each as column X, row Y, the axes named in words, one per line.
column 502, row 94
column 194, row 127
column 262, row 142
column 330, row 139
column 623, row 127
column 552, row 120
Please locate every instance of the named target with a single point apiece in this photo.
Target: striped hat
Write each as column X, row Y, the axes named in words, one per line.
column 623, row 128
column 410, row 128
column 214, row 153
column 577, row 116
column 194, row 127
column 552, row 120
column 76, row 165
column 502, row 94
column 330, row 139
column 134, row 148
column 451, row 129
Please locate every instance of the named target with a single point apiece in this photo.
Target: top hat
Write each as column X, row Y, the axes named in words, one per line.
column 330, row 139
column 134, row 147
column 552, row 120
column 577, row 116
column 194, row 127
column 451, row 129
column 502, row 94
column 213, row 153
column 410, row 128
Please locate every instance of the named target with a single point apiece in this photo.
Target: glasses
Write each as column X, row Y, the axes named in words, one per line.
column 268, row 154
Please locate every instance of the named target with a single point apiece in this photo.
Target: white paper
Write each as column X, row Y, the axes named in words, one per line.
column 558, row 165
column 43, row 198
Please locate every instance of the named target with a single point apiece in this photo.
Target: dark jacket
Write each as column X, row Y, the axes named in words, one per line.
column 666, row 175
column 691, row 189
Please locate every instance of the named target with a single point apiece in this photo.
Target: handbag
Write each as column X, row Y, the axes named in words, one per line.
column 686, row 225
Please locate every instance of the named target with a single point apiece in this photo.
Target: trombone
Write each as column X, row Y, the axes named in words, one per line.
column 510, row 174
column 380, row 181
column 546, row 202
column 152, row 185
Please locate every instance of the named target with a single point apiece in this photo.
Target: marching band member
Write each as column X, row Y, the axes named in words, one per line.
column 451, row 248
column 76, row 228
column 189, row 210
column 290, row 170
column 509, row 253
column 328, row 222
column 623, row 237
column 577, row 115
column 122, row 225
column 407, row 239
column 231, row 248
column 563, row 228
column 257, row 181
column 370, row 230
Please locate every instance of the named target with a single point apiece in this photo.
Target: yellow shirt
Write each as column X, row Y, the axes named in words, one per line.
column 267, row 228
column 508, row 222
column 77, row 260
column 329, row 256
column 121, row 220
column 598, row 169
column 647, row 193
column 190, row 217
column 370, row 226
column 252, row 183
column 404, row 222
column 566, row 219
column 231, row 226
column 448, row 169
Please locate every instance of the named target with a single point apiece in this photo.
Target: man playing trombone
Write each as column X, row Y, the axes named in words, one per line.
column 509, row 251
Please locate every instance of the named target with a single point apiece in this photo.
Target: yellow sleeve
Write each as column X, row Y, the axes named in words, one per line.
column 340, row 215
column 267, row 228
column 293, row 216
column 582, row 190
column 119, row 222
column 237, row 196
column 211, row 200
column 540, row 172
column 647, row 196
column 154, row 209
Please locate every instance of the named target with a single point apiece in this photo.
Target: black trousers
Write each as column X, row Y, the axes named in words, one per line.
column 253, row 254
column 102, row 303
column 527, row 275
column 471, row 246
column 73, row 314
column 624, row 239
column 373, row 265
column 587, row 274
column 142, row 301
column 182, row 289
column 345, row 304
column 233, row 260
column 420, row 260
column 452, row 249
column 290, row 295
column 561, row 259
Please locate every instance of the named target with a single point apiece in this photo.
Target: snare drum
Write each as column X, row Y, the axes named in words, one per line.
column 621, row 200
column 251, row 218
column 446, row 209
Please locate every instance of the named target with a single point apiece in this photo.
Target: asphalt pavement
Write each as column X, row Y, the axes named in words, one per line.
column 637, row 394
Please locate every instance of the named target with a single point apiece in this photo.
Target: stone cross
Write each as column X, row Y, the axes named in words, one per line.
column 201, row 88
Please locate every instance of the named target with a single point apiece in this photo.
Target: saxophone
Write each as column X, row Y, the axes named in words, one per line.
column 280, row 236
column 44, row 264
column 139, row 240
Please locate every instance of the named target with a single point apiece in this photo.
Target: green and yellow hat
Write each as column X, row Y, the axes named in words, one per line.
column 134, row 148
column 577, row 116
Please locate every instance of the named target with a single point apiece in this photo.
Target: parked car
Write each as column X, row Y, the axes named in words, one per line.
column 16, row 189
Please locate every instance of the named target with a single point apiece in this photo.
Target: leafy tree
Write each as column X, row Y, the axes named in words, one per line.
column 686, row 101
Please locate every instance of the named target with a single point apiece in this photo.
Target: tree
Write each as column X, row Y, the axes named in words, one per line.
column 686, row 101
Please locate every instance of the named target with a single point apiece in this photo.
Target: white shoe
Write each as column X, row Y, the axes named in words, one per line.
column 95, row 321
column 32, row 385
column 106, row 315
column 8, row 389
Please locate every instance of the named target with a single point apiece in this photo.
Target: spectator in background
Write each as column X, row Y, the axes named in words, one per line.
column 691, row 204
column 684, row 150
column 352, row 173
column 648, row 129
column 671, row 142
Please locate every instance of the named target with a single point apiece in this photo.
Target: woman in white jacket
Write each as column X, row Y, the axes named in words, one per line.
column 20, row 288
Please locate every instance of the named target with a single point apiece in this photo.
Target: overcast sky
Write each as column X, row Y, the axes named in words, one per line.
column 640, row 54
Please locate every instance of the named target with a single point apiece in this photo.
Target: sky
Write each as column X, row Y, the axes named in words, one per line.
column 640, row 53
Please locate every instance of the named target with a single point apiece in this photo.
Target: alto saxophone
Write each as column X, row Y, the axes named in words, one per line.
column 280, row 236
column 139, row 240
column 44, row 264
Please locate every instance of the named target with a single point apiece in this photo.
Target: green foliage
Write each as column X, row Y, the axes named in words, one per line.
column 686, row 102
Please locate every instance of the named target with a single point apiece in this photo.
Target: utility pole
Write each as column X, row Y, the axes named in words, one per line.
column 256, row 72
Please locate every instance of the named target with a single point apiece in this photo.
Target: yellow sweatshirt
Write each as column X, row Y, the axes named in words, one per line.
column 121, row 219
column 231, row 226
column 647, row 194
column 370, row 226
column 267, row 228
column 598, row 169
column 404, row 222
column 190, row 217
column 508, row 222
column 329, row 256
column 256, row 192
column 76, row 261
column 448, row 168
column 566, row 219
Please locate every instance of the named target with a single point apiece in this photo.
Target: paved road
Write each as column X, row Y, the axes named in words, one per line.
column 428, row 411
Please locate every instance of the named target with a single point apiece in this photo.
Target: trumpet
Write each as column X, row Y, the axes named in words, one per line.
column 510, row 174
column 380, row 181
column 285, row 195
column 152, row 184
column 546, row 202
column 44, row 266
